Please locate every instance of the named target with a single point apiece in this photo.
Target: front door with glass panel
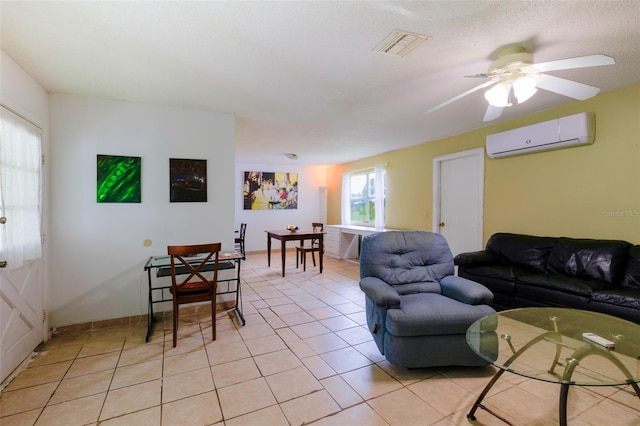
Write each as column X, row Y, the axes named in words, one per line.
column 21, row 282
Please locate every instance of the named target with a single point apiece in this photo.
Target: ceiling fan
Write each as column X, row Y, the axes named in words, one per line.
column 514, row 69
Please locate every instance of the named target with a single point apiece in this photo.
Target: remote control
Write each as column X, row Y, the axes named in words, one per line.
column 599, row 340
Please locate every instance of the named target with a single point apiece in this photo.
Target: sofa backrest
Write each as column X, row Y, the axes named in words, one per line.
column 600, row 260
column 410, row 261
column 591, row 259
column 525, row 251
column 632, row 274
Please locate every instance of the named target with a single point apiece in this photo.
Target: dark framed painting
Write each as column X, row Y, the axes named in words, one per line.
column 187, row 180
column 118, row 179
column 270, row 190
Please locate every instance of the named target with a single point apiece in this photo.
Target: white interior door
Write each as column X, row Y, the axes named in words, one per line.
column 458, row 199
column 22, row 319
column 22, row 315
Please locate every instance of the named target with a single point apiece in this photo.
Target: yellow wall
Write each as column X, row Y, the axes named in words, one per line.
column 583, row 192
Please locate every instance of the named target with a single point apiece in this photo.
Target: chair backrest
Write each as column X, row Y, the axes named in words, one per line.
column 404, row 259
column 194, row 262
column 239, row 241
column 316, row 227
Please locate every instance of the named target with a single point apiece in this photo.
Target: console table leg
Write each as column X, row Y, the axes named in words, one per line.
column 150, row 317
column 239, row 295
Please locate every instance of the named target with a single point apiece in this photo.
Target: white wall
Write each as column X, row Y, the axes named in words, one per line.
column 312, row 181
column 97, row 250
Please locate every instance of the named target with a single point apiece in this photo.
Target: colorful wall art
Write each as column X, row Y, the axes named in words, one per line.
column 188, row 180
column 270, row 190
column 118, row 179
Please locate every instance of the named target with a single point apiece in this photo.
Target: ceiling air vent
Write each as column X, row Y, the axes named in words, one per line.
column 400, row 43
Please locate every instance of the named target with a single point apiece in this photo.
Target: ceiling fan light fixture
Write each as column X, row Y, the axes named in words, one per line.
column 498, row 95
column 524, row 88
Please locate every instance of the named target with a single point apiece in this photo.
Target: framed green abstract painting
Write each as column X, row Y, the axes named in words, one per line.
column 119, row 179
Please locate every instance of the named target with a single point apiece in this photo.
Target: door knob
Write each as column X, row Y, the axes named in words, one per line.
column 3, row 263
column 441, row 224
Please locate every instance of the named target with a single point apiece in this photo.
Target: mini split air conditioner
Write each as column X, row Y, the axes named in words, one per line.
column 573, row 130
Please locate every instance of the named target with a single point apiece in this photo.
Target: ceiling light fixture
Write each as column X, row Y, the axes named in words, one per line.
column 291, row 156
column 524, row 87
column 498, row 95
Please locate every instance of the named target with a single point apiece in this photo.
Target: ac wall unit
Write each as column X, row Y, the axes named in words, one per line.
column 573, row 130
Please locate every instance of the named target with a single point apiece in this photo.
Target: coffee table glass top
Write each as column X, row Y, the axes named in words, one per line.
column 548, row 344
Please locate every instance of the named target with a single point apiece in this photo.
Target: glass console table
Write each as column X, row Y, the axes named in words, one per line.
column 227, row 283
column 547, row 344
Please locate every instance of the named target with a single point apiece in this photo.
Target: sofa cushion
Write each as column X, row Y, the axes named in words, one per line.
column 600, row 260
column 495, row 285
column 553, row 294
column 620, row 303
column 522, row 250
column 562, row 283
column 627, row 298
column 502, row 272
column 632, row 274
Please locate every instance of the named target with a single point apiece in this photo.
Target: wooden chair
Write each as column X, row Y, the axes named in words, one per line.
column 240, row 239
column 314, row 246
column 194, row 262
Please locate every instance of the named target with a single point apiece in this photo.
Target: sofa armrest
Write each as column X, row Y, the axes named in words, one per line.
column 466, row 291
column 476, row 258
column 381, row 293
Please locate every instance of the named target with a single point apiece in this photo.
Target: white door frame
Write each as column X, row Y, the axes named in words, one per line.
column 479, row 152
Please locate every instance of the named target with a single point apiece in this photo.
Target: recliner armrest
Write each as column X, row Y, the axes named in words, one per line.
column 381, row 293
column 482, row 257
column 466, row 291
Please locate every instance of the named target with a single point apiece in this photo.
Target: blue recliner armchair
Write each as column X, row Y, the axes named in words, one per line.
column 417, row 309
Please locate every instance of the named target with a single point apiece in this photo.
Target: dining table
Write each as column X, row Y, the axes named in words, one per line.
column 298, row 235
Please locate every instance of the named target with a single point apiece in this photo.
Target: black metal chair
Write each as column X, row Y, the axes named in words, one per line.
column 240, row 239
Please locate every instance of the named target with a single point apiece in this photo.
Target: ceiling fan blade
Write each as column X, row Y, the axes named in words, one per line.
column 492, row 113
column 460, row 96
column 579, row 62
column 565, row 87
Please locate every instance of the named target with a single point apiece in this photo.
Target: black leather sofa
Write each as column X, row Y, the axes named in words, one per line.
column 524, row 270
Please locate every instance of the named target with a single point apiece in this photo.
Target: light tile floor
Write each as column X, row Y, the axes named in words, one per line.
column 304, row 356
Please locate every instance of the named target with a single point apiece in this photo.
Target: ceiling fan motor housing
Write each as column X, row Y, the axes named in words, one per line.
column 512, row 63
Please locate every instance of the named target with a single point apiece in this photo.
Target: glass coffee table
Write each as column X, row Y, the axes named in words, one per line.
column 548, row 344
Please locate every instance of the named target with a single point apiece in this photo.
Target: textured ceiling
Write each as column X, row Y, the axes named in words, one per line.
column 301, row 76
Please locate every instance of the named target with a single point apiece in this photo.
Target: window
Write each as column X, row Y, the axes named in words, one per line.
column 364, row 197
column 20, row 202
